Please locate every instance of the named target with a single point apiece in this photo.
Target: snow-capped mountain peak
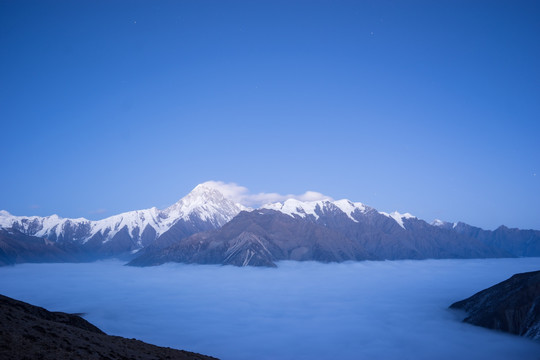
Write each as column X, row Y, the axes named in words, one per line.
column 205, row 203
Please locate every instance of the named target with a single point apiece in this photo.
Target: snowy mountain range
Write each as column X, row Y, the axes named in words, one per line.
column 202, row 209
column 207, row 227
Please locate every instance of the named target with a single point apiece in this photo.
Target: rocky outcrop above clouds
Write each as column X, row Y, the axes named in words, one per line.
column 512, row 306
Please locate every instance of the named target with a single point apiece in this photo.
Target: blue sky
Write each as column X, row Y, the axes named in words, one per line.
column 419, row 106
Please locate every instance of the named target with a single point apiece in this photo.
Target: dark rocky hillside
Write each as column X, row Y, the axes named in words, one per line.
column 29, row 332
column 512, row 306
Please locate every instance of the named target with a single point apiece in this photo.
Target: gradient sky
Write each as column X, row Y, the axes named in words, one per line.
column 429, row 107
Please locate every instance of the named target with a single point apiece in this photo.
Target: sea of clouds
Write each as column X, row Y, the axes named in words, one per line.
column 301, row 310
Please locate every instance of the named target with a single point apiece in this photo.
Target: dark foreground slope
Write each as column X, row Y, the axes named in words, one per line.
column 30, row 332
column 512, row 306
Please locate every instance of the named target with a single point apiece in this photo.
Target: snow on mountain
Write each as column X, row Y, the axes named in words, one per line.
column 348, row 207
column 294, row 207
column 323, row 230
column 399, row 217
column 443, row 224
column 38, row 226
column 438, row 222
column 204, row 203
column 207, row 203
column 135, row 222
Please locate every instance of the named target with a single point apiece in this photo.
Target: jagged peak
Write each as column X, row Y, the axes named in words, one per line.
column 206, row 202
column 206, row 189
column 203, row 195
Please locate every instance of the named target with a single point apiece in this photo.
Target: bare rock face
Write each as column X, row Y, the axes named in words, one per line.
column 30, row 332
column 512, row 306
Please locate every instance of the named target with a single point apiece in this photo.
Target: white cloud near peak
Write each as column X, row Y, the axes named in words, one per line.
column 242, row 195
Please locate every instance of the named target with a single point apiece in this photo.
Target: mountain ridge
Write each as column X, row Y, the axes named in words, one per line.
column 203, row 208
column 358, row 231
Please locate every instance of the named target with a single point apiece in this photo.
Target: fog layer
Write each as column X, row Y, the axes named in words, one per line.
column 371, row 310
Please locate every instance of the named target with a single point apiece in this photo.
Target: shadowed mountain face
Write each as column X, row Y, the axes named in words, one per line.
column 30, row 332
column 16, row 247
column 382, row 237
column 512, row 306
column 261, row 237
column 514, row 241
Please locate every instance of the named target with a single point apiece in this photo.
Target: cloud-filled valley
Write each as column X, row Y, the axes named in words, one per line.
column 376, row 310
column 271, row 180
